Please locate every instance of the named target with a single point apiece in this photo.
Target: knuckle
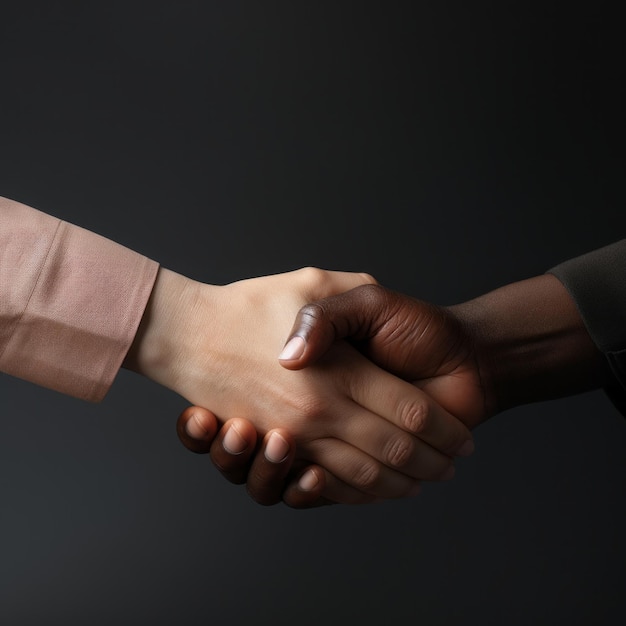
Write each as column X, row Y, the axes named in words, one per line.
column 374, row 296
column 307, row 411
column 366, row 476
column 372, row 291
column 313, row 276
column 368, row 278
column 313, row 409
column 413, row 415
column 399, row 451
column 311, row 313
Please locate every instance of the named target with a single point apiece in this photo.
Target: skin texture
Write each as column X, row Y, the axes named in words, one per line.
column 522, row 343
column 375, row 434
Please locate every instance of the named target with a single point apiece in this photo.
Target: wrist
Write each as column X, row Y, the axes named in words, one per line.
column 531, row 343
column 161, row 347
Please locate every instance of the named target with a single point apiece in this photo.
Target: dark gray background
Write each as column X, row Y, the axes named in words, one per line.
column 445, row 147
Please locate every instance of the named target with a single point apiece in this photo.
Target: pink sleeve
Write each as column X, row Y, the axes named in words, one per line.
column 70, row 302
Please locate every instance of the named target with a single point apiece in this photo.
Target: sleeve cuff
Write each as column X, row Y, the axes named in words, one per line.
column 597, row 283
column 85, row 302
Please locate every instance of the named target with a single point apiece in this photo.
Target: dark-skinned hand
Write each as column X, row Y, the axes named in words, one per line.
column 521, row 343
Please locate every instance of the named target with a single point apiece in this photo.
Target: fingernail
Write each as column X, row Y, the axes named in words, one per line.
column 233, row 442
column 308, row 481
column 195, row 429
column 448, row 474
column 293, row 350
column 276, row 449
column 466, row 449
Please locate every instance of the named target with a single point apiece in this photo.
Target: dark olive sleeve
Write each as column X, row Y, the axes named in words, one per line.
column 597, row 283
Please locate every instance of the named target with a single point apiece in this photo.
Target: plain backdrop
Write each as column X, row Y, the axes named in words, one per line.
column 445, row 147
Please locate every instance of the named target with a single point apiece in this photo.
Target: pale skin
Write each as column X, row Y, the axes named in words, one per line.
column 522, row 343
column 375, row 435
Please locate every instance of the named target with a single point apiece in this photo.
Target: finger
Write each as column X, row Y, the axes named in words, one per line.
column 305, row 490
column 316, row 487
column 355, row 314
column 233, row 448
column 392, row 446
column 357, row 469
column 196, row 428
column 410, row 409
column 268, row 473
column 416, row 435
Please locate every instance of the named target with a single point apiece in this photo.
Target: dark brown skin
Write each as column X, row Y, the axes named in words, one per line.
column 420, row 342
column 265, row 480
column 522, row 343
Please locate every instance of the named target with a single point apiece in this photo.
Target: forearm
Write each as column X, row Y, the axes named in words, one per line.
column 532, row 343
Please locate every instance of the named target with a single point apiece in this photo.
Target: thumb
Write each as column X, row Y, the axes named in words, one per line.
column 355, row 314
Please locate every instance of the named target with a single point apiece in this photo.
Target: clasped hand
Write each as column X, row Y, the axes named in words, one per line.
column 369, row 434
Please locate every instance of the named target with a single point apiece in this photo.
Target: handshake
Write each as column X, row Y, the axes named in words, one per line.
column 370, row 393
